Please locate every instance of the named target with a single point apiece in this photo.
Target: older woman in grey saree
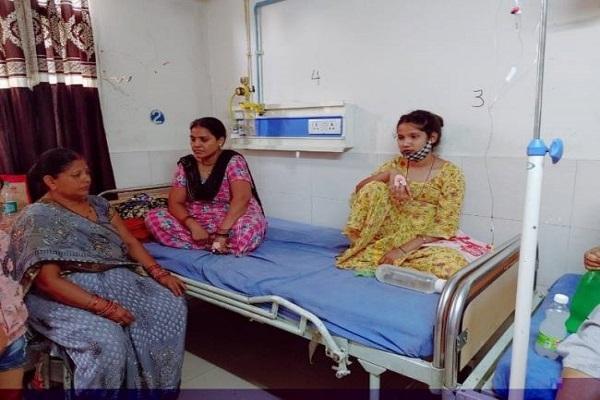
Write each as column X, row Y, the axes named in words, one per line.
column 88, row 284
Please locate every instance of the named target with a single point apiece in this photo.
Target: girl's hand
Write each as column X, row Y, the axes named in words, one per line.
column 399, row 189
column 392, row 256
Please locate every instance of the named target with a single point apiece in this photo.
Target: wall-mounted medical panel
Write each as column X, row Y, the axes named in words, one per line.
column 319, row 128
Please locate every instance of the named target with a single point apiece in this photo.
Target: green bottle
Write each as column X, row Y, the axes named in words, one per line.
column 586, row 298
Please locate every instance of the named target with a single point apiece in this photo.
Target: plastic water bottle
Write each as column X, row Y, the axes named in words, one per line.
column 585, row 299
column 9, row 201
column 409, row 278
column 552, row 329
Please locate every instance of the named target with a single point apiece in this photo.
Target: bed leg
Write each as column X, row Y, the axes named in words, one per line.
column 374, row 380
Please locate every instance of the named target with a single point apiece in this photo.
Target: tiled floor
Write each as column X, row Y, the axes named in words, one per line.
column 227, row 351
column 201, row 374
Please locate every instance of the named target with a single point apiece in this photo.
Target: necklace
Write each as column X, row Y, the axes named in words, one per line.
column 89, row 214
column 416, row 195
column 205, row 171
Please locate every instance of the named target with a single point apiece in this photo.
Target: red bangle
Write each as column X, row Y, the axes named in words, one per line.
column 156, row 271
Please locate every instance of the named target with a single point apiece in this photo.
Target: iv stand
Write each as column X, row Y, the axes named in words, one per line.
column 536, row 151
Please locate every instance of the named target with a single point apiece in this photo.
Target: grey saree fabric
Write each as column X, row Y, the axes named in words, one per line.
column 148, row 354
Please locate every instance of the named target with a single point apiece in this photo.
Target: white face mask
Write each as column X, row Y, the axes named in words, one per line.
column 420, row 154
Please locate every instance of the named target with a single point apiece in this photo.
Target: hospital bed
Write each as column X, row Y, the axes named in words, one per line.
column 290, row 282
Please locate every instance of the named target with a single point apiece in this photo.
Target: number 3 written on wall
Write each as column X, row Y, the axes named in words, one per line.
column 478, row 98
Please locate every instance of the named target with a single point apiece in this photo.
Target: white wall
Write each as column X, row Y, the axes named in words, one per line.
column 389, row 57
column 152, row 54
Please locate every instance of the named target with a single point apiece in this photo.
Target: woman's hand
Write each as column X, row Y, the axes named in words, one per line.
column 121, row 315
column 219, row 245
column 166, row 279
column 392, row 256
column 399, row 189
column 199, row 234
column 111, row 310
column 173, row 283
column 591, row 259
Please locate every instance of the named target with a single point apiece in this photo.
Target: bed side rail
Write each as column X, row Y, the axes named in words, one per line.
column 250, row 307
column 481, row 279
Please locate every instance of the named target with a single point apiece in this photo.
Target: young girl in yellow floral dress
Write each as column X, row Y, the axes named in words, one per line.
column 412, row 200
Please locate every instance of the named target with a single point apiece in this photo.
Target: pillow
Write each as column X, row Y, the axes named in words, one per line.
column 138, row 229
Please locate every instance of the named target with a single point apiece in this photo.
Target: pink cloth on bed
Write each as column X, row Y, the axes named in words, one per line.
column 247, row 233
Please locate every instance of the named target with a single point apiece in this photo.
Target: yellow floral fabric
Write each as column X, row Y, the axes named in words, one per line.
column 377, row 225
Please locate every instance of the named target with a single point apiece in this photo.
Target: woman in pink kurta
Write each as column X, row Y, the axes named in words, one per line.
column 213, row 204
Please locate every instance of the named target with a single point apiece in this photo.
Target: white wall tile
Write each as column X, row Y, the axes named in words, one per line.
column 478, row 198
column 586, row 202
column 509, row 178
column 327, row 212
column 255, row 163
column 131, row 168
column 163, row 164
column 553, row 246
column 505, row 229
column 288, row 206
column 285, row 175
column 557, row 193
column 495, row 231
column 477, row 227
column 336, row 178
column 456, row 160
column 580, row 241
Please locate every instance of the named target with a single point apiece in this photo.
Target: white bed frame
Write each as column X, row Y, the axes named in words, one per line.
column 474, row 306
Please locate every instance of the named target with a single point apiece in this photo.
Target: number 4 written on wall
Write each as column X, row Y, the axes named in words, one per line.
column 315, row 76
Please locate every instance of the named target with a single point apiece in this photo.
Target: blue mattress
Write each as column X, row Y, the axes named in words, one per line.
column 543, row 374
column 296, row 262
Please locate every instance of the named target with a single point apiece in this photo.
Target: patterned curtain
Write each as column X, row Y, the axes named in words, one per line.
column 48, row 92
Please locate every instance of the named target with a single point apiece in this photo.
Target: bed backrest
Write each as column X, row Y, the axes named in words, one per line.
column 117, row 196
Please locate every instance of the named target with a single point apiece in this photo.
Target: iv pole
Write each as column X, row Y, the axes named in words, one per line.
column 536, row 151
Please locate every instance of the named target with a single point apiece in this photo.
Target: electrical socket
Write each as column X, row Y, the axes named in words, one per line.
column 325, row 126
